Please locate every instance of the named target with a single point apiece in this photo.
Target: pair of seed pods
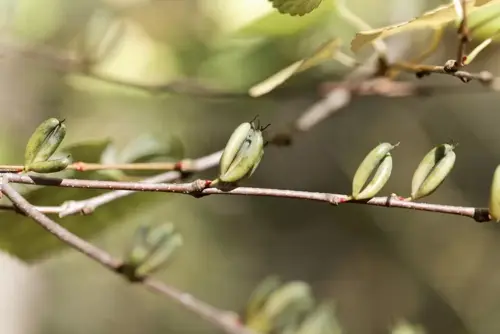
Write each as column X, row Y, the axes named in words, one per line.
column 429, row 175
column 41, row 146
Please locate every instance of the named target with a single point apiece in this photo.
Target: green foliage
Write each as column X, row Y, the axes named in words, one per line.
column 23, row 238
column 278, row 25
column 295, row 7
column 288, row 308
column 152, row 248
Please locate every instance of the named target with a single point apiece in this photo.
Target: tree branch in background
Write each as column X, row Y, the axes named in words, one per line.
column 224, row 320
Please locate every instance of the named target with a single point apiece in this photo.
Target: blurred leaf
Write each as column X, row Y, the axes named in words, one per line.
column 153, row 247
column 435, row 18
column 23, row 238
column 95, row 151
column 324, row 53
column 485, row 23
column 404, row 327
column 320, row 321
column 147, row 148
column 38, row 20
column 283, row 308
column 88, row 151
column 295, row 7
column 261, row 294
column 276, row 24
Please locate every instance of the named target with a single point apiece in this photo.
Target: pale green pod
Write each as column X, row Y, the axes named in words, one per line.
column 233, row 146
column 379, row 180
column 49, row 166
column 152, row 248
column 260, row 295
column 286, row 305
column 44, row 141
column 368, row 165
column 320, row 321
column 161, row 255
column 245, row 158
column 432, row 170
column 494, row 204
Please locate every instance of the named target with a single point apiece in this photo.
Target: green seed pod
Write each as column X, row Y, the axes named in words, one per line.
column 161, row 256
column 432, row 170
column 320, row 321
column 242, row 154
column 285, row 306
column 152, row 248
column 261, row 294
column 44, row 141
column 379, row 180
column 372, row 161
column 494, row 205
column 49, row 166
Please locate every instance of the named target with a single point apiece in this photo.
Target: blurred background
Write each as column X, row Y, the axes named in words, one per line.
column 378, row 265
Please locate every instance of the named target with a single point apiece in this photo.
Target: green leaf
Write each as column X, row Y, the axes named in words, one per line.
column 278, row 25
column 90, row 151
column 485, row 23
column 435, row 18
column 295, row 7
column 320, row 321
column 326, row 52
column 95, row 151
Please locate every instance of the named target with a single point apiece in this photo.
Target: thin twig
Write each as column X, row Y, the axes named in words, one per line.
column 201, row 188
column 225, row 320
column 483, row 77
column 182, row 166
column 89, row 205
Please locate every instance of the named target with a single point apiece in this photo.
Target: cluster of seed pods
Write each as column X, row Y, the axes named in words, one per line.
column 429, row 175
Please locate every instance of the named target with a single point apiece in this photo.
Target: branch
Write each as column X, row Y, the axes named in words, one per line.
column 484, row 77
column 463, row 34
column 225, row 320
column 200, row 188
column 89, row 205
column 181, row 166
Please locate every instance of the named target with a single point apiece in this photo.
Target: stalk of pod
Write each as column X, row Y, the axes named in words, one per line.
column 378, row 162
column 242, row 154
column 42, row 144
column 432, row 170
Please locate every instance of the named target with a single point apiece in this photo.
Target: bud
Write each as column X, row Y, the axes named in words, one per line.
column 242, row 154
column 49, row 166
column 152, row 248
column 44, row 141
